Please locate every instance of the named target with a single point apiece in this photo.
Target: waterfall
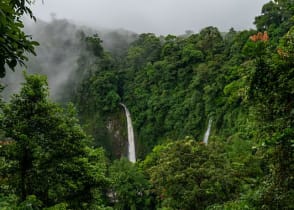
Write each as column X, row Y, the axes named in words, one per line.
column 131, row 140
column 206, row 136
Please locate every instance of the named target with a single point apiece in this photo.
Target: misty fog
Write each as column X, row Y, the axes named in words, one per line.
column 161, row 17
column 59, row 49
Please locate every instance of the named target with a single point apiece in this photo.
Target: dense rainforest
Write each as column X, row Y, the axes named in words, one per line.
column 68, row 150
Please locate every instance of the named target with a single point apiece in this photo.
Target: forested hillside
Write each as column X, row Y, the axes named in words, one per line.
column 68, row 151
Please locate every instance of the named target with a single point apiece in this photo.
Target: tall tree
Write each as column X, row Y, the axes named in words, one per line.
column 53, row 161
column 271, row 90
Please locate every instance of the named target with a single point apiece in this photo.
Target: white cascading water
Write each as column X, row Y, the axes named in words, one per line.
column 207, row 133
column 131, row 139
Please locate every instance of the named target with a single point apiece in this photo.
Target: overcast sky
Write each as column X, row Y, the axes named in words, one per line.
column 157, row 16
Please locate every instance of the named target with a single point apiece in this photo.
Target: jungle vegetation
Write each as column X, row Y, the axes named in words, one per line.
column 57, row 155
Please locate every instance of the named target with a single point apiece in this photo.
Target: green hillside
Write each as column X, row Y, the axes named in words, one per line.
column 69, row 152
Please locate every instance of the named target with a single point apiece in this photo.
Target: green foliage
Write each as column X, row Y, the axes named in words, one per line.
column 276, row 18
column 61, row 206
column 94, row 89
column 93, row 45
column 210, row 41
column 8, row 202
column 129, row 186
column 242, row 81
column 232, row 205
column 189, row 175
column 272, row 93
column 14, row 43
column 145, row 49
column 172, row 85
column 31, row 203
column 50, row 155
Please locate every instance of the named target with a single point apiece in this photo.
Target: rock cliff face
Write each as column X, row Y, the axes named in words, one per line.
column 117, row 135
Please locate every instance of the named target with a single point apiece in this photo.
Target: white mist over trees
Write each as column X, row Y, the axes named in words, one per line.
column 60, row 47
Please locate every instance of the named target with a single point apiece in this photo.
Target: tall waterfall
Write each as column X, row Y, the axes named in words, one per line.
column 131, row 140
column 206, row 136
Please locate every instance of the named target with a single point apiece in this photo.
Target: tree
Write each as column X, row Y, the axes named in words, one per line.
column 51, row 154
column 271, row 91
column 145, row 49
column 129, row 186
column 210, row 41
column 276, row 18
column 188, row 175
column 14, row 43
